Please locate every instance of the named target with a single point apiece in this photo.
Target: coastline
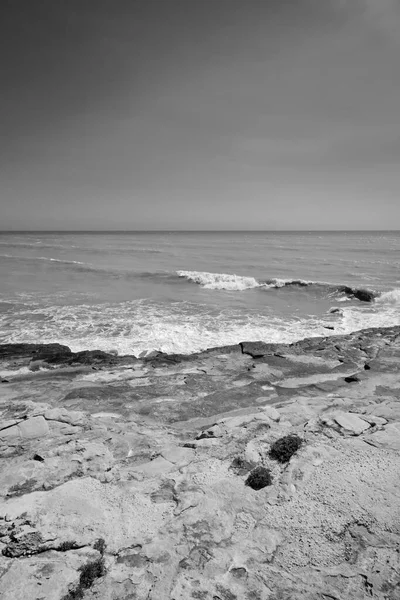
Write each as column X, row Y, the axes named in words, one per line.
column 151, row 455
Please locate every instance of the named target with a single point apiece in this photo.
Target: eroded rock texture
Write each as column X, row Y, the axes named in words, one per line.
column 126, row 479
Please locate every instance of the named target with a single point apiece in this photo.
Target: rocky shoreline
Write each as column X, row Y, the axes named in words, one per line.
column 125, row 478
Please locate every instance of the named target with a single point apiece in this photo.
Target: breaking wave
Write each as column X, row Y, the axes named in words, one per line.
column 392, row 297
column 220, row 281
column 225, row 281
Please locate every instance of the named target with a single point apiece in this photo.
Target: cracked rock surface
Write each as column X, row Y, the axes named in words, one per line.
column 125, row 478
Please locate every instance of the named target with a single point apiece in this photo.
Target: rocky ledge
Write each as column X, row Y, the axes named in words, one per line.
column 249, row 472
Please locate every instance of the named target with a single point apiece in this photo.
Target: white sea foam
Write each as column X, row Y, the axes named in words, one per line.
column 46, row 258
column 226, row 281
column 355, row 319
column 392, row 297
column 139, row 326
column 220, row 281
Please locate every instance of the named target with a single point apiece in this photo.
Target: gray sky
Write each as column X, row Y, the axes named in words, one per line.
column 200, row 114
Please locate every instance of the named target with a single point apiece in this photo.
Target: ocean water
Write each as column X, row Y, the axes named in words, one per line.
column 188, row 291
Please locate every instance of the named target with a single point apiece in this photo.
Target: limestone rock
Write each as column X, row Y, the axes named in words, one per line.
column 155, row 468
column 32, row 428
column 251, row 453
column 71, row 417
column 351, row 423
column 212, row 432
column 272, row 413
column 171, row 516
column 389, row 437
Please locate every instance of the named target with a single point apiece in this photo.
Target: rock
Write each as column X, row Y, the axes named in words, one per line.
column 243, row 420
column 251, row 453
column 352, row 379
column 25, row 545
column 389, row 437
column 240, row 466
column 257, row 349
column 177, row 455
column 47, row 577
column 272, row 413
column 212, row 432
column 185, row 525
column 351, row 422
column 364, row 295
column 335, row 309
column 7, row 424
column 29, row 350
column 361, row 294
column 34, row 427
column 373, row 420
column 71, row 417
column 155, row 468
column 38, row 458
column 207, row 442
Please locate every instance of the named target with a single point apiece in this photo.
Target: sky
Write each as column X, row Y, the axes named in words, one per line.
column 199, row 114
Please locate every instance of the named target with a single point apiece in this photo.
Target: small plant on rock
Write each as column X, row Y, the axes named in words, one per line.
column 283, row 449
column 89, row 573
column 100, row 546
column 259, row 478
column 67, row 545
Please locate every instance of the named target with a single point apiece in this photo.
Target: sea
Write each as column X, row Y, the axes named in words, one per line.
column 182, row 292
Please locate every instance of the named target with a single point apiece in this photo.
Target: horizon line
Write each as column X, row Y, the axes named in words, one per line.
column 14, row 231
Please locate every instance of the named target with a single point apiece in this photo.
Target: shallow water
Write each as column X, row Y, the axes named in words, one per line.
column 186, row 291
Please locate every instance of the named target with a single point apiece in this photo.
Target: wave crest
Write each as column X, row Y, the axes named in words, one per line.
column 220, row 281
column 392, row 297
column 225, row 281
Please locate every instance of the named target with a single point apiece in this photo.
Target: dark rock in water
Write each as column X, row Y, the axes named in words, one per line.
column 367, row 367
column 259, row 478
column 364, row 295
column 360, row 294
column 284, row 448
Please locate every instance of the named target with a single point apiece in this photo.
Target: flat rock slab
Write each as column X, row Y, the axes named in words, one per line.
column 32, row 428
column 351, row 422
column 155, row 468
column 389, row 437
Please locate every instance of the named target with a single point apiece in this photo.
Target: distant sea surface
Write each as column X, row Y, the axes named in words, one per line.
column 188, row 291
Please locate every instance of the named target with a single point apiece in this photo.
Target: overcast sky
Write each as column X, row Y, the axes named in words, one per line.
column 200, row 114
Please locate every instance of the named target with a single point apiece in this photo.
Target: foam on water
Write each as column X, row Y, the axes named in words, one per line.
column 392, row 297
column 45, row 258
column 134, row 293
column 135, row 327
column 220, row 281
